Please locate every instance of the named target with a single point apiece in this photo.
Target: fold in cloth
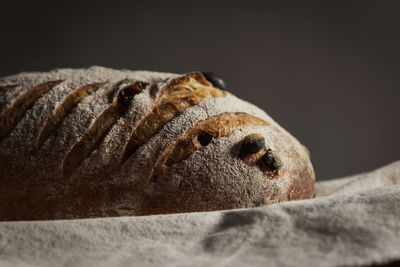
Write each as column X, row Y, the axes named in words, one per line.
column 351, row 221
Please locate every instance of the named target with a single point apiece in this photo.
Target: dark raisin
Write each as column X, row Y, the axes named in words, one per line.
column 126, row 95
column 214, row 80
column 204, row 138
column 271, row 161
column 116, row 88
column 253, row 143
column 140, row 85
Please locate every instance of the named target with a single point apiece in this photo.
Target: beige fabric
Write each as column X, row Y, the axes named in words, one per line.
column 356, row 223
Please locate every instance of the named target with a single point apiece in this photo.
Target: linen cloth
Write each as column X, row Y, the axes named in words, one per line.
column 352, row 221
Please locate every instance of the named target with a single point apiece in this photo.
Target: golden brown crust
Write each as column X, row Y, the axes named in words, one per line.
column 11, row 116
column 92, row 138
column 65, row 107
column 180, row 94
column 202, row 134
column 77, row 171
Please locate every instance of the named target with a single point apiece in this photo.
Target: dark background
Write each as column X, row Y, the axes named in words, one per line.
column 327, row 71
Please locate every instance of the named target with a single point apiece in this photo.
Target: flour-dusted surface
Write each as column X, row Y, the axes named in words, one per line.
column 356, row 223
column 88, row 143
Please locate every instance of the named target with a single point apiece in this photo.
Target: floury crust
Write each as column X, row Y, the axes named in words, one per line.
column 104, row 184
column 344, row 225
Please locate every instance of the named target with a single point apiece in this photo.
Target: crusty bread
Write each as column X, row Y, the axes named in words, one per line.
column 78, row 143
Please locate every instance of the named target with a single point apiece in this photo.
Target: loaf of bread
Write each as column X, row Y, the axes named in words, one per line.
column 80, row 143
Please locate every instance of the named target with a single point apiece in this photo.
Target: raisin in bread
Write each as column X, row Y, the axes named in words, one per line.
column 79, row 143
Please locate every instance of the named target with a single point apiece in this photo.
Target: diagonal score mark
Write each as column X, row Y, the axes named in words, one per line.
column 12, row 115
column 96, row 133
column 179, row 95
column 202, row 134
column 64, row 108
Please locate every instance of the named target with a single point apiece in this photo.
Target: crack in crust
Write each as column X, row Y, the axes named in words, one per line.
column 180, row 94
column 96, row 133
column 201, row 134
column 64, row 108
column 12, row 115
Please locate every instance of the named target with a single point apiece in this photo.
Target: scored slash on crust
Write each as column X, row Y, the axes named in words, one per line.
column 12, row 115
column 100, row 130
column 201, row 134
column 64, row 108
column 96, row 133
column 180, row 94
